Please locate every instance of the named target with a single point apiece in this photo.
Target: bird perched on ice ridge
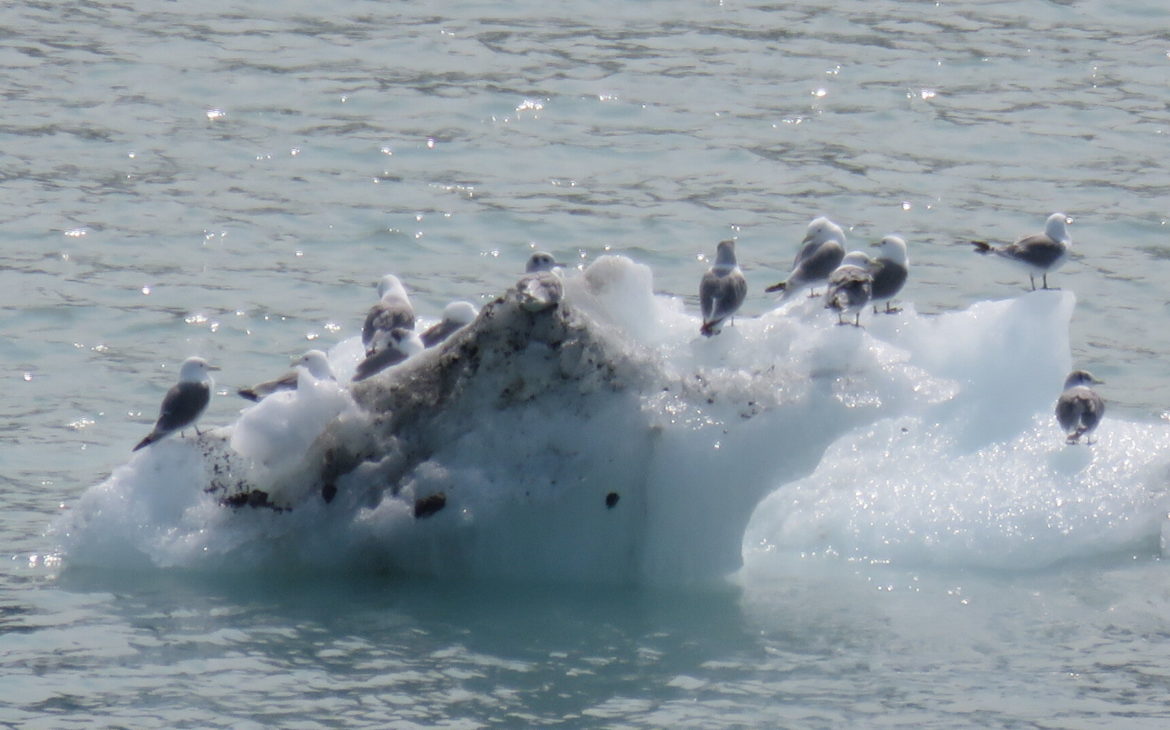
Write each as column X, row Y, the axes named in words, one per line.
column 1079, row 409
column 456, row 316
column 390, row 348
column 1038, row 253
column 850, row 287
column 889, row 270
column 820, row 252
column 721, row 290
column 184, row 402
column 314, row 361
column 540, row 288
column 392, row 310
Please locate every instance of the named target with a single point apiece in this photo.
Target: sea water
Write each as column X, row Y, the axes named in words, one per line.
column 230, row 180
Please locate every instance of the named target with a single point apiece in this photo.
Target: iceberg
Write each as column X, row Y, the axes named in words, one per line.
column 605, row 440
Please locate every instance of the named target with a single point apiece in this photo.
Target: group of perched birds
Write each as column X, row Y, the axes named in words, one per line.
column 855, row 280
column 388, row 336
column 852, row 281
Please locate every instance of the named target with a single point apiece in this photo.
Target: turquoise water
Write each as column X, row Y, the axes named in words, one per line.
column 230, row 179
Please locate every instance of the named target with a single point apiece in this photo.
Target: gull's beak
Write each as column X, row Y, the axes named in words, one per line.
column 807, row 238
column 875, row 243
column 1098, row 381
column 214, row 367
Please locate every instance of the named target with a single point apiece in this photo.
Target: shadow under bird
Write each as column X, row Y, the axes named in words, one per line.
column 392, row 310
column 1038, row 253
column 184, row 402
column 721, row 290
column 889, row 269
column 540, row 288
column 390, row 348
column 850, row 287
column 1079, row 409
column 456, row 316
column 314, row 361
column 820, row 253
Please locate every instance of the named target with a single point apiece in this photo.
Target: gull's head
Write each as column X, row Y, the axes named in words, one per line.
column 1055, row 228
column 822, row 229
column 195, row 370
column 892, row 248
column 391, row 285
column 316, row 363
column 406, row 341
column 725, row 255
column 460, row 313
column 540, row 261
column 1080, row 377
column 856, row 258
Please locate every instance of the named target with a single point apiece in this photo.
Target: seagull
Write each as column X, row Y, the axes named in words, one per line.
column 184, row 402
column 541, row 261
column 392, row 310
column 540, row 288
column 1079, row 408
column 820, row 252
column 850, row 287
column 722, row 289
column 1038, row 253
column 456, row 316
column 889, row 270
column 390, row 348
column 314, row 361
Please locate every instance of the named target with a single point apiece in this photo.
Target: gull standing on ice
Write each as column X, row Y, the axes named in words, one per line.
column 390, row 348
column 722, row 289
column 456, row 316
column 314, row 361
column 184, row 402
column 1079, row 408
column 850, row 287
column 1038, row 253
column 540, row 288
column 889, row 270
column 392, row 310
column 820, row 252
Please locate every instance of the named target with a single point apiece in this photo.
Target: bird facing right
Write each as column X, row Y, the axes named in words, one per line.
column 184, row 402
column 1038, row 253
column 1079, row 409
column 890, row 269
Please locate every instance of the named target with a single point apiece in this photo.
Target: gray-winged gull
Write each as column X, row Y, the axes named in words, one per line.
column 392, row 310
column 820, row 252
column 850, row 287
column 1079, row 408
column 390, row 348
column 889, row 270
column 1038, row 253
column 540, row 288
column 184, row 402
column 314, row 361
column 456, row 316
column 721, row 290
